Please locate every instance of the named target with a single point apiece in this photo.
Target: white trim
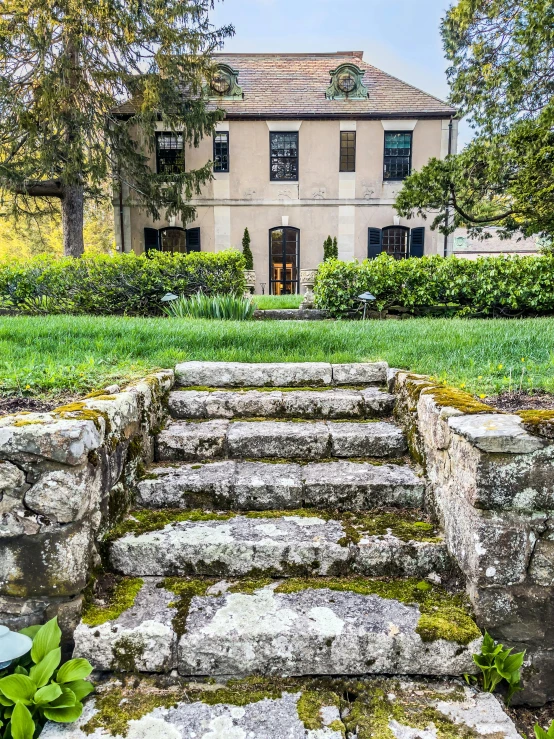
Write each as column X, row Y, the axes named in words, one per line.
column 347, row 232
column 399, row 125
column 284, row 125
column 222, row 126
column 348, row 125
column 347, row 185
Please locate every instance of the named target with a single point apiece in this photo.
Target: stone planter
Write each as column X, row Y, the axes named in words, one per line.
column 307, row 282
column 250, row 277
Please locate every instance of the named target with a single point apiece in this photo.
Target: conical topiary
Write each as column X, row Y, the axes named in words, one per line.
column 327, row 248
column 247, row 251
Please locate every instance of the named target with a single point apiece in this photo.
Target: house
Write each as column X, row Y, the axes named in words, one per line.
column 312, row 145
column 467, row 247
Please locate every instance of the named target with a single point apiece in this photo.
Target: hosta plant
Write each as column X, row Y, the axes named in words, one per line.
column 541, row 733
column 35, row 688
column 498, row 664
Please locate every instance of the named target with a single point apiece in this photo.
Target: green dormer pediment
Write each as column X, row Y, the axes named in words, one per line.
column 224, row 84
column 346, row 83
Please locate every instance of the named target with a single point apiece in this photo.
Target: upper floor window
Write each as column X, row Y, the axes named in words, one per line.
column 398, row 155
column 283, row 155
column 348, row 151
column 221, row 151
column 170, row 155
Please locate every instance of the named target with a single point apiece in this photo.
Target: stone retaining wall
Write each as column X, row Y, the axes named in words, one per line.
column 491, row 480
column 64, row 478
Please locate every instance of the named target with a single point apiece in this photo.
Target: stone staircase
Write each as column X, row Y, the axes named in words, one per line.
column 282, row 532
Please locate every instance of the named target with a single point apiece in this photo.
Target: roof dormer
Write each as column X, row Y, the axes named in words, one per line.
column 346, row 83
column 224, row 83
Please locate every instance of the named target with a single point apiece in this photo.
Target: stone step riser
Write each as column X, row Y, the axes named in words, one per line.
column 196, row 404
column 277, row 547
column 290, row 374
column 266, row 632
column 258, row 486
column 195, row 441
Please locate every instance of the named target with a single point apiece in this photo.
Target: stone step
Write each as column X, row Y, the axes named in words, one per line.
column 288, row 708
column 282, row 628
column 298, row 543
column 257, row 486
column 286, row 374
column 334, row 403
column 190, row 440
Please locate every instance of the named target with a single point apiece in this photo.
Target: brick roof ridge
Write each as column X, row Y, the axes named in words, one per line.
column 354, row 54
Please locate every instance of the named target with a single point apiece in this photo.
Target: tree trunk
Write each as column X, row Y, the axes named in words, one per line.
column 72, row 221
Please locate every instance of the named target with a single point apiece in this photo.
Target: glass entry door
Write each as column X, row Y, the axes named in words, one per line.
column 284, row 261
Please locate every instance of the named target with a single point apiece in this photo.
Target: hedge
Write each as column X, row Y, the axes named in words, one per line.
column 434, row 285
column 124, row 284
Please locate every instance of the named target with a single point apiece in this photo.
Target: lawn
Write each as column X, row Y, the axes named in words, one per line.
column 72, row 353
column 277, row 302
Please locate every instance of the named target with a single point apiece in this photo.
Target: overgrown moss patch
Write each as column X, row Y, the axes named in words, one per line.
column 376, row 703
column 539, row 422
column 121, row 598
column 143, row 521
column 80, row 412
column 185, row 590
column 443, row 615
column 309, row 708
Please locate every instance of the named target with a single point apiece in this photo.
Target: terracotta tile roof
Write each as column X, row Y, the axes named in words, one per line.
column 294, row 85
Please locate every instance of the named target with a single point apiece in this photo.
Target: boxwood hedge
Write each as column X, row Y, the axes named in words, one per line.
column 434, row 285
column 124, row 284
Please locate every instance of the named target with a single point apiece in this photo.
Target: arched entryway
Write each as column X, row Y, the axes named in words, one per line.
column 284, row 261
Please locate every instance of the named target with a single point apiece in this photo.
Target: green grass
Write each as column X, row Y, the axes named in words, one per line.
column 59, row 353
column 275, row 302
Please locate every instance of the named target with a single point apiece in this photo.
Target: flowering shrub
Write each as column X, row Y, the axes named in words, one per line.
column 434, row 285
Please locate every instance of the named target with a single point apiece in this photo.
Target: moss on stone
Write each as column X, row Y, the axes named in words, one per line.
column 539, row 422
column 452, row 398
column 443, row 615
column 185, row 590
column 402, row 524
column 18, row 424
column 309, row 708
column 249, row 585
column 80, row 412
column 121, row 599
column 126, row 651
column 144, row 521
column 377, row 703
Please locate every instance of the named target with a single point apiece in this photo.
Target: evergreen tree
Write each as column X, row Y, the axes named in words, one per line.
column 335, row 248
column 247, row 251
column 65, row 66
column 327, row 248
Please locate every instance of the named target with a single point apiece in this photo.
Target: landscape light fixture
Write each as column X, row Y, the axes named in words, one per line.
column 168, row 297
column 366, row 298
column 12, row 646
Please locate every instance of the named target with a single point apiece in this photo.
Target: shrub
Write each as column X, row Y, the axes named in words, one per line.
column 123, row 284
column 222, row 307
column 434, row 285
column 34, row 688
column 247, row 251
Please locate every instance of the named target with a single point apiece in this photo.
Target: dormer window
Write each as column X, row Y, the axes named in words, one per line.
column 346, row 83
column 224, row 83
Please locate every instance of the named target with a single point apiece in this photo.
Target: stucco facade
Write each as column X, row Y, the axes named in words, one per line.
column 323, row 200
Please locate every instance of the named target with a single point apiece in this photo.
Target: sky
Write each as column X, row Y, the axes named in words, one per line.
column 400, row 37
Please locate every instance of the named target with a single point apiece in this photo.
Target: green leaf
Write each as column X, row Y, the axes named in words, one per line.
column 18, row 688
column 48, row 694
column 81, row 688
column 75, row 669
column 64, row 715
column 46, row 639
column 66, row 699
column 20, row 670
column 23, row 726
column 31, row 631
column 42, row 672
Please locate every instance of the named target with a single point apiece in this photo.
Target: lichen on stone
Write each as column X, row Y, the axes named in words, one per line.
column 121, row 598
column 443, row 615
column 81, row 412
column 185, row 590
column 452, row 398
column 144, row 521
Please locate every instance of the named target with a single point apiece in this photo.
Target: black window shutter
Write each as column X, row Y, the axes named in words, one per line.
column 417, row 242
column 151, row 239
column 374, row 242
column 193, row 239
